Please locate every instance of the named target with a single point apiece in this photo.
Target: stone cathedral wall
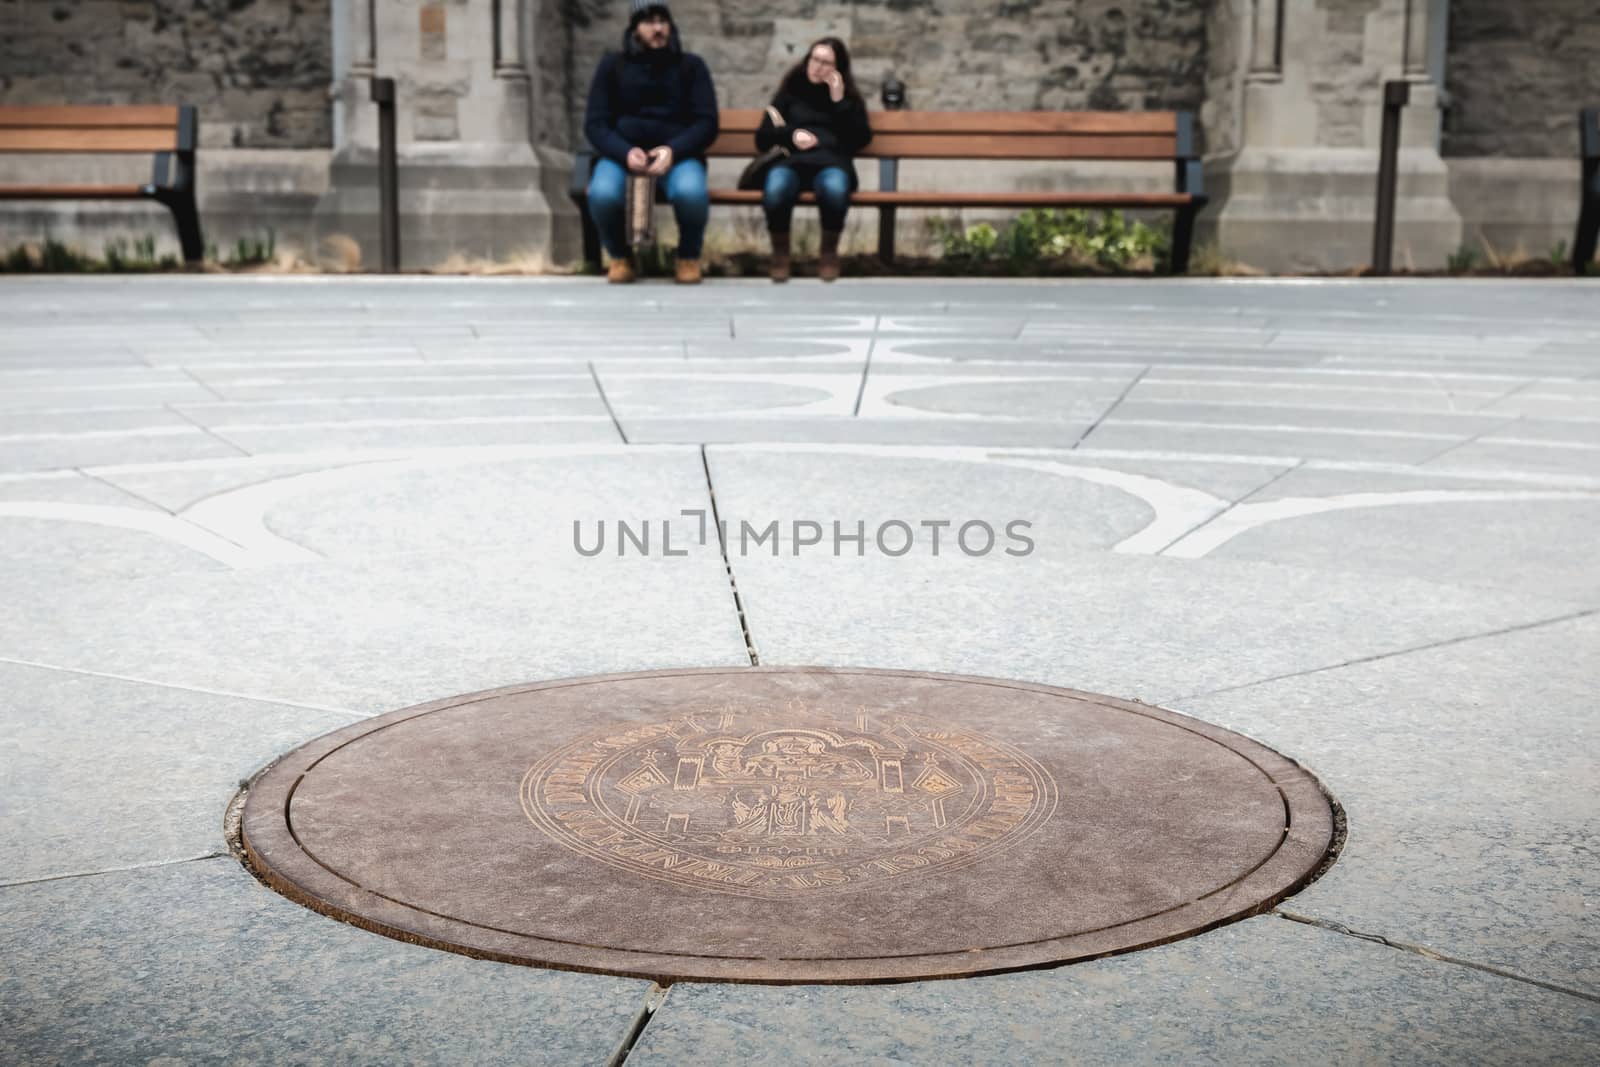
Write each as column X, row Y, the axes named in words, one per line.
column 257, row 69
column 1517, row 72
column 951, row 54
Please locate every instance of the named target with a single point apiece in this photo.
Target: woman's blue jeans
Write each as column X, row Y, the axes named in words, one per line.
column 831, row 184
column 686, row 191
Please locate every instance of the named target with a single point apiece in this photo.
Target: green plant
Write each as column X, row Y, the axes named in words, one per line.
column 253, row 251
column 1560, row 254
column 57, row 258
column 1055, row 238
column 964, row 246
column 1462, row 260
column 19, row 260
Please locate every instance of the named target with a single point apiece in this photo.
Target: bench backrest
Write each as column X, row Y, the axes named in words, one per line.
column 1154, row 135
column 33, row 128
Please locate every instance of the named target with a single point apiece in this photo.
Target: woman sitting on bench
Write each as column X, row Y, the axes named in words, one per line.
column 824, row 126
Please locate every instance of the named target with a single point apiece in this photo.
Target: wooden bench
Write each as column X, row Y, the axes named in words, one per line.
column 1065, row 136
column 169, row 132
column 1583, row 245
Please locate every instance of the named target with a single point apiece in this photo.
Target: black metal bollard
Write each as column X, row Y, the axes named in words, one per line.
column 1396, row 95
column 388, row 175
column 893, row 95
column 1583, row 243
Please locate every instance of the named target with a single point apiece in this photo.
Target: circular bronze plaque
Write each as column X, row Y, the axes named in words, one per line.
column 776, row 824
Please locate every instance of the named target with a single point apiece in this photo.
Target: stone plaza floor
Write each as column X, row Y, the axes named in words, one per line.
column 1355, row 521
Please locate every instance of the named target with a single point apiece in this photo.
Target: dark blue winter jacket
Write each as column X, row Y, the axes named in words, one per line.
column 642, row 98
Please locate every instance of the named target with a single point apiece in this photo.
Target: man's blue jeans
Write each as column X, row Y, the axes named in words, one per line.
column 831, row 184
column 686, row 190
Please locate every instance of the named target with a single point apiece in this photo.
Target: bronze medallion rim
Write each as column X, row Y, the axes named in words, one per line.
column 275, row 854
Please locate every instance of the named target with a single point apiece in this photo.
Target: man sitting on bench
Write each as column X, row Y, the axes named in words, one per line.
column 652, row 110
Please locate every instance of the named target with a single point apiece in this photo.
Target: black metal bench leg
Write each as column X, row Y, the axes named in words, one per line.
column 886, row 235
column 591, row 237
column 1182, row 240
column 187, row 216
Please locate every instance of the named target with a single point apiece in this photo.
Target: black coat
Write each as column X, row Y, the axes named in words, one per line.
column 641, row 98
column 842, row 129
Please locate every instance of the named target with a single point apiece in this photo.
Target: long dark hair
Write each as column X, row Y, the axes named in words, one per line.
column 795, row 83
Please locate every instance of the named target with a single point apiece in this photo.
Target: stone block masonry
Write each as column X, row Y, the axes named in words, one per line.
column 257, row 69
column 1518, row 73
column 956, row 54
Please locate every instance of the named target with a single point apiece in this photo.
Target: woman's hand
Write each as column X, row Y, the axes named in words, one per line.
column 835, row 82
column 805, row 140
column 637, row 160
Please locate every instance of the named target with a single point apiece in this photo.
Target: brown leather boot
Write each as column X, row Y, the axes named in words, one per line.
column 687, row 272
column 828, row 261
column 779, row 268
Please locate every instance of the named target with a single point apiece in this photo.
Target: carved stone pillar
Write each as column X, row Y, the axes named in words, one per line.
column 354, row 60
column 472, row 183
column 1266, row 44
column 1294, row 186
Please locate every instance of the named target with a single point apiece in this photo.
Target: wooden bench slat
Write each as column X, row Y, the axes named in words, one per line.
column 1122, row 123
column 930, row 145
column 98, row 117
column 1013, row 146
column 874, row 198
column 85, row 139
column 71, row 192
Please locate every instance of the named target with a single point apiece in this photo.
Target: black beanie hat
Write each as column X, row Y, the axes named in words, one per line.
column 637, row 9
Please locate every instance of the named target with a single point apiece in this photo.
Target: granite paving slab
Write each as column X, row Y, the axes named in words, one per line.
column 1170, row 435
column 1472, row 821
column 912, row 428
column 759, row 486
column 466, row 431
column 198, row 962
column 95, row 782
column 1396, row 623
column 380, row 633
column 1139, row 626
column 67, row 451
column 1514, row 540
column 1263, row 991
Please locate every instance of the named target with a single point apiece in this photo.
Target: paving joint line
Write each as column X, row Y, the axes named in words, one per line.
column 114, row 870
column 595, row 374
column 1474, row 439
column 1137, row 378
column 654, row 997
column 356, row 715
column 866, row 368
column 1263, row 487
column 727, row 565
column 1508, row 394
column 124, row 490
column 1430, row 954
column 208, row 431
column 195, row 378
column 1447, row 642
